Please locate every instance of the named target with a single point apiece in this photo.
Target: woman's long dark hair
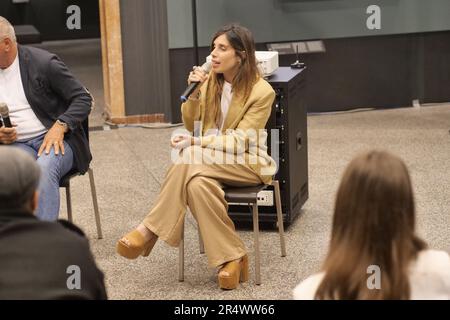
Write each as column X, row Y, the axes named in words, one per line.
column 241, row 39
column 373, row 224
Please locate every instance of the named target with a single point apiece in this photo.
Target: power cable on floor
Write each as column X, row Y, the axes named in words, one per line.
column 158, row 125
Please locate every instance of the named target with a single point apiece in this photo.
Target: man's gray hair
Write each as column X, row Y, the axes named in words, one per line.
column 19, row 178
column 7, row 30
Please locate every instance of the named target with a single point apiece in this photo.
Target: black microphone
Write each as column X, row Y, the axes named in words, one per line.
column 206, row 67
column 4, row 112
column 297, row 64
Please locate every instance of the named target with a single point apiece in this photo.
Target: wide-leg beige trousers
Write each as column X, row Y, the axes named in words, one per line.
column 199, row 186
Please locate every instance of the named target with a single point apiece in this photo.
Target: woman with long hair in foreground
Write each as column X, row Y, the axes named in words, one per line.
column 374, row 251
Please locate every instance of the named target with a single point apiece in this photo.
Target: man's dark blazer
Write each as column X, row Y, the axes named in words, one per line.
column 54, row 93
column 35, row 260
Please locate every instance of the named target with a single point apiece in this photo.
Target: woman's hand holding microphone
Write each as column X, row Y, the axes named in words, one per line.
column 183, row 141
column 197, row 75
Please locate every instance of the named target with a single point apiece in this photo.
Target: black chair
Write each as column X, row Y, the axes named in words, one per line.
column 247, row 195
column 65, row 183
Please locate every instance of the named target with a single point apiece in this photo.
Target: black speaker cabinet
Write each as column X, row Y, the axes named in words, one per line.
column 288, row 118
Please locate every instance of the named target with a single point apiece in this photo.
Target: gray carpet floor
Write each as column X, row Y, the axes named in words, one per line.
column 129, row 165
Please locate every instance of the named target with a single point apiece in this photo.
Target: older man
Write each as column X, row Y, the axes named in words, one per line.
column 47, row 107
column 39, row 259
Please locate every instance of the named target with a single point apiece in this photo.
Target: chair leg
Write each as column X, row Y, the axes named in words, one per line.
column 69, row 203
column 181, row 256
column 256, row 242
column 276, row 185
column 94, row 201
column 200, row 242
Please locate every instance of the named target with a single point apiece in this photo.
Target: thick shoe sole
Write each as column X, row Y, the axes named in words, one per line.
column 127, row 252
column 231, row 282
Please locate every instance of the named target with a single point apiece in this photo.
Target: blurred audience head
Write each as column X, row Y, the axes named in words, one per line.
column 373, row 225
column 19, row 179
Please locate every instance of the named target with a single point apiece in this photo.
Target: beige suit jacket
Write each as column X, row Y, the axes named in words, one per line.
column 243, row 131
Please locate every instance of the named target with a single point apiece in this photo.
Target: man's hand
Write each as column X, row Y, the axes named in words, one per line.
column 54, row 138
column 8, row 135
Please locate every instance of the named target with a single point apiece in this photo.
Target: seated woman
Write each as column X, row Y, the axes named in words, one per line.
column 231, row 104
column 374, row 252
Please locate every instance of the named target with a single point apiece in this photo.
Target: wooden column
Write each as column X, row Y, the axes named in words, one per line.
column 113, row 83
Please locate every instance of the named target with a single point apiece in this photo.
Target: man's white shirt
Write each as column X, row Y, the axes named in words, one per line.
column 20, row 112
